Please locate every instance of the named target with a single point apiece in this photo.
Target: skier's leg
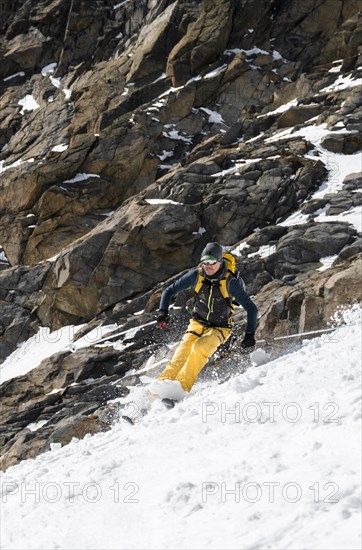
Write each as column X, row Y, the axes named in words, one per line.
column 194, row 331
column 201, row 350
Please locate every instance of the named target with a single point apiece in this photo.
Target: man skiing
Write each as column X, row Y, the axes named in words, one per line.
column 216, row 288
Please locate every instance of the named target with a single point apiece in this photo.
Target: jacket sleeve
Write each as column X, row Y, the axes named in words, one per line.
column 237, row 291
column 183, row 283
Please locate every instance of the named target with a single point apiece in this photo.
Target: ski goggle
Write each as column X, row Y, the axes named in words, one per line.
column 209, row 262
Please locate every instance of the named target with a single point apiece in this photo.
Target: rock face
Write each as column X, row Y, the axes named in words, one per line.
column 19, row 295
column 62, row 400
column 128, row 253
column 132, row 133
column 307, row 305
column 205, row 40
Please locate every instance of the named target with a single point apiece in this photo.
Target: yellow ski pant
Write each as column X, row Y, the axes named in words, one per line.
column 192, row 353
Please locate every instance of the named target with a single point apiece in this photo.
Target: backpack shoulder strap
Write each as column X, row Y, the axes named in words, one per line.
column 222, row 283
column 231, row 273
column 199, row 281
column 224, row 287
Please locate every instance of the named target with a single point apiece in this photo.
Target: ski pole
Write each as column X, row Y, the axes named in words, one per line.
column 73, row 348
column 297, row 334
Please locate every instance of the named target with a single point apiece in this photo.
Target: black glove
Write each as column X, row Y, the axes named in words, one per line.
column 249, row 340
column 162, row 318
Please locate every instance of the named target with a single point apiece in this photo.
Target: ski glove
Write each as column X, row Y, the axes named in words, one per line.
column 162, row 318
column 249, row 340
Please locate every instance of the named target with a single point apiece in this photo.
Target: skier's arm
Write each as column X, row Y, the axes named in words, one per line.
column 183, row 283
column 237, row 291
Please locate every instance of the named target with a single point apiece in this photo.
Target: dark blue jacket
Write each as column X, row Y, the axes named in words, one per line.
column 235, row 288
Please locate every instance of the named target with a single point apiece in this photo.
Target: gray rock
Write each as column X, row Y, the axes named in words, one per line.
column 230, row 213
column 266, row 234
column 350, row 250
column 353, row 182
column 308, row 243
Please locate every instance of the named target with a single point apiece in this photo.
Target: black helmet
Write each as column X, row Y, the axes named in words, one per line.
column 212, row 251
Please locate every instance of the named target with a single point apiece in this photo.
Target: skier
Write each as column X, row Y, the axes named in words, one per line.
column 216, row 289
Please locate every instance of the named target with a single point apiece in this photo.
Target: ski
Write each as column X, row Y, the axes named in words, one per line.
column 127, row 419
column 169, row 403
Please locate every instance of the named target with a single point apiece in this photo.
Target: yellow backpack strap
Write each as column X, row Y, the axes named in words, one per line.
column 224, row 291
column 224, row 286
column 223, row 282
column 199, row 281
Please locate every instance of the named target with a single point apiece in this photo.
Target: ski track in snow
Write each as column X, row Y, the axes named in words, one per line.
column 170, row 472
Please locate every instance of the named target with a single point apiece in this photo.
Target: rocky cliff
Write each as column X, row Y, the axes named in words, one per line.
column 132, row 133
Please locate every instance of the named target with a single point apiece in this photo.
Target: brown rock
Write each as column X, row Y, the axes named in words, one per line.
column 26, row 50
column 298, row 115
column 310, row 304
column 344, row 287
column 153, row 45
column 205, row 39
column 342, row 143
column 66, row 212
column 27, row 445
column 130, row 251
column 78, row 429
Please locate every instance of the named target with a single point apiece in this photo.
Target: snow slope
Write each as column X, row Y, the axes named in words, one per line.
column 269, row 459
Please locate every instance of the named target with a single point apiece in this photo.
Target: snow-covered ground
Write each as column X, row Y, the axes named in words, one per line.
column 269, row 459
